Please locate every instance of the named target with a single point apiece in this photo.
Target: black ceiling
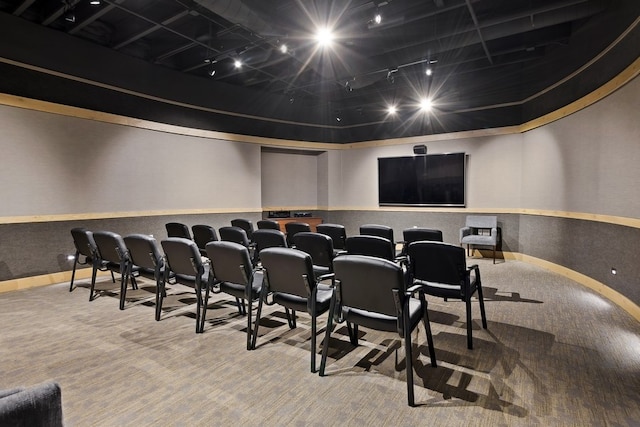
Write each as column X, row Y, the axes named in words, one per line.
column 483, row 53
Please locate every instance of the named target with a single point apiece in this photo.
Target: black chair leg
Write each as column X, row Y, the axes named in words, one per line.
column 313, row 343
column 73, row 273
column 483, row 316
column 327, row 336
column 160, row 294
column 427, row 330
column 409, row 357
column 291, row 318
column 124, row 278
column 469, row 325
column 93, row 283
column 353, row 333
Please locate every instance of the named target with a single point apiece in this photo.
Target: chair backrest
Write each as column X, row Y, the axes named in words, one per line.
column 375, row 246
column 183, row 257
column 414, row 234
column 481, row 221
column 230, row 262
column 367, row 283
column 177, row 229
column 437, row 262
column 268, row 224
column 144, row 251
column 377, row 230
column 234, row 234
column 111, row 246
column 294, row 228
column 287, row 270
column 245, row 224
column 267, row 238
column 203, row 234
column 83, row 241
column 319, row 246
column 337, row 233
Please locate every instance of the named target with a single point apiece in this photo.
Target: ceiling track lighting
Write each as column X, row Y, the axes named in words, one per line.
column 69, row 16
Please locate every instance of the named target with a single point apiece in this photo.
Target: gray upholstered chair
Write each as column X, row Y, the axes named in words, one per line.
column 289, row 280
column 203, row 234
column 112, row 254
column 177, row 229
column 268, row 224
column 232, row 272
column 146, row 255
column 294, row 227
column 337, row 232
column 320, row 247
column 369, row 292
column 480, row 230
column 415, row 234
column 184, row 260
column 441, row 270
column 85, row 250
column 370, row 245
column 246, row 225
column 267, row 238
column 39, row 405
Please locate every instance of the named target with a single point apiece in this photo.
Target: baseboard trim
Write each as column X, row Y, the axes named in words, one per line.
column 45, row 280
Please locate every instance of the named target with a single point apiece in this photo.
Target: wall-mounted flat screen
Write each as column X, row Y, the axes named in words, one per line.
column 430, row 180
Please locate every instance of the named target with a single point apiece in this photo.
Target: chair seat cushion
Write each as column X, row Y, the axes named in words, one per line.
column 298, row 303
column 239, row 290
column 477, row 239
column 380, row 321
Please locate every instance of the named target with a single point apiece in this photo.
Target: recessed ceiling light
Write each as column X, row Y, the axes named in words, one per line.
column 392, row 109
column 283, row 48
column 426, row 104
column 377, row 18
column 237, row 63
column 96, row 2
column 429, row 71
column 324, row 36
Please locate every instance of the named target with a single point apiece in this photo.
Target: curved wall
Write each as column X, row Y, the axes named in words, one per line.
column 564, row 193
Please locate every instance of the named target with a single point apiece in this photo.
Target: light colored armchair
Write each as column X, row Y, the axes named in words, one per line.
column 480, row 230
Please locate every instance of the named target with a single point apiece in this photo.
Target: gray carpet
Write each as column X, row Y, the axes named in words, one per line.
column 555, row 354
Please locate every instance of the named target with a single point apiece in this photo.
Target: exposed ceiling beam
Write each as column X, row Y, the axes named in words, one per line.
column 24, row 6
column 477, row 25
column 101, row 12
column 150, row 30
column 60, row 11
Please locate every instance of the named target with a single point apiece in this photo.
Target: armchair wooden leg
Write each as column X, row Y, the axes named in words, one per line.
column 469, row 325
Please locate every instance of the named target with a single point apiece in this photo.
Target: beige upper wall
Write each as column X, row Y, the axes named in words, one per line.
column 54, row 164
column 587, row 162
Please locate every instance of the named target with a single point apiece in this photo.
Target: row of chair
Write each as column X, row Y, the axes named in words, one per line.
column 357, row 289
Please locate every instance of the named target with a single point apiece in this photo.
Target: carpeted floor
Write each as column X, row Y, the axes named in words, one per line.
column 554, row 354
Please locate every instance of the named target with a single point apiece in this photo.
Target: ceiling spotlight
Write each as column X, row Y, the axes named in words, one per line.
column 392, row 109
column 377, row 18
column 428, row 71
column 390, row 75
column 69, row 16
column 347, row 86
column 324, row 37
column 95, row 2
column 237, row 63
column 211, row 72
column 426, row 104
column 283, row 48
